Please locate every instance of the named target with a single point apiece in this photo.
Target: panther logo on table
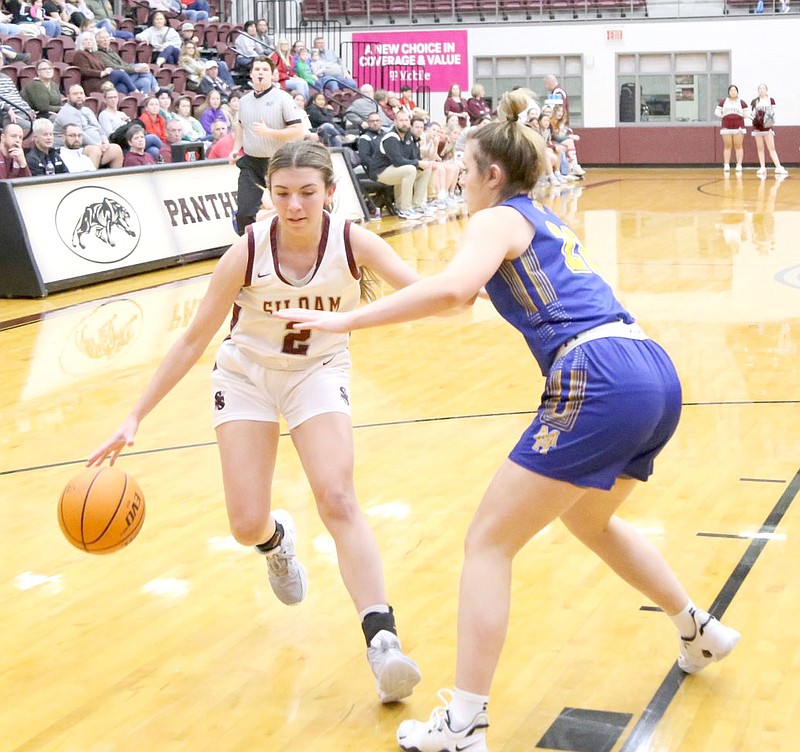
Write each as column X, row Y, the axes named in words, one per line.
column 100, row 218
column 98, row 224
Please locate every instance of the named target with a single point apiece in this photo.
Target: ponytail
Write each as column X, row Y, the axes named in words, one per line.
column 516, row 149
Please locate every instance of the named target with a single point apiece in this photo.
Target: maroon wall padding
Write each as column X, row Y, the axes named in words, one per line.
column 674, row 145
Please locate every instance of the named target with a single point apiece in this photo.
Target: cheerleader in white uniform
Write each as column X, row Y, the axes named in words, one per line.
column 733, row 111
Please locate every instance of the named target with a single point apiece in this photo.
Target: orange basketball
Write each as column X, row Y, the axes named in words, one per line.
column 101, row 510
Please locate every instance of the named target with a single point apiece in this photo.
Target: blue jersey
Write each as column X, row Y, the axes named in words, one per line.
column 550, row 293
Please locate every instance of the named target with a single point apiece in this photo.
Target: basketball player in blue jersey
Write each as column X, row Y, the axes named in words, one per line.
column 611, row 402
column 302, row 257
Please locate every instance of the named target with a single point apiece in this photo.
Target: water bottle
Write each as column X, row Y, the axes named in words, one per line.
column 377, row 213
column 49, row 168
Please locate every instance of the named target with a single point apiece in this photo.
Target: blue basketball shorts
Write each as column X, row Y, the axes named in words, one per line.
column 609, row 407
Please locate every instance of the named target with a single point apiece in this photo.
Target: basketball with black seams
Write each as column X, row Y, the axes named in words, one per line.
column 101, row 510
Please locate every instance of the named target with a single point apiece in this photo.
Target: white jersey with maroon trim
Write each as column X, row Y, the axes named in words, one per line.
column 331, row 285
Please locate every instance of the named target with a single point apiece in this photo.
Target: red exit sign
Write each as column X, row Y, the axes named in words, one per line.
column 614, row 35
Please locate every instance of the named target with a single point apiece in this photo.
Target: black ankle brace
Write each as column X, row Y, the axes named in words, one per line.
column 273, row 542
column 375, row 621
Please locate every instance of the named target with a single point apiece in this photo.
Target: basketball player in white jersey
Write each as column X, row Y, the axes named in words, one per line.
column 303, row 257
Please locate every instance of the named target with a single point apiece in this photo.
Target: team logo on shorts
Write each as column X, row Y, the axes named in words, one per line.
column 546, row 439
column 343, row 394
column 219, row 400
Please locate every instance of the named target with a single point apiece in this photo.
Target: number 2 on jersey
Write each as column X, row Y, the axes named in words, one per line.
column 570, row 248
column 294, row 341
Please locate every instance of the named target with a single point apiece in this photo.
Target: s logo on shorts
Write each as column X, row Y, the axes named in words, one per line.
column 343, row 395
column 219, row 400
column 546, row 439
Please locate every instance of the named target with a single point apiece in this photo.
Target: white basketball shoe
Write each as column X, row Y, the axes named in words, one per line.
column 711, row 642
column 287, row 575
column 395, row 673
column 435, row 734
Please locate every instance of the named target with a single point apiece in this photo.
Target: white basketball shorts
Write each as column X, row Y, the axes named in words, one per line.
column 244, row 390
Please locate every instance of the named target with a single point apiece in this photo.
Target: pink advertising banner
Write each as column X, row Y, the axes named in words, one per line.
column 436, row 59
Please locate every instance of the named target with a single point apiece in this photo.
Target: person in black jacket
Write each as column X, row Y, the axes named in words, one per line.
column 369, row 140
column 397, row 163
column 320, row 114
column 43, row 158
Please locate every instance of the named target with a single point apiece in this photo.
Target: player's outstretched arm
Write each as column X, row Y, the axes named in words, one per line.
column 492, row 234
column 225, row 283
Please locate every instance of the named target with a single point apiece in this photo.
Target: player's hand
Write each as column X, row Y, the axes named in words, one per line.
column 121, row 438
column 232, row 157
column 260, row 128
column 324, row 321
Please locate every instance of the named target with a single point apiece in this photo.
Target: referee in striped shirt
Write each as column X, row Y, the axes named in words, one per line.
column 268, row 118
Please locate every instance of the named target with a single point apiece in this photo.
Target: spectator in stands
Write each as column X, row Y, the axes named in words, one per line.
column 565, row 141
column 111, row 119
column 103, row 13
column 551, row 162
column 221, row 141
column 320, row 113
column 334, row 65
column 28, row 24
column 75, row 155
column 262, row 34
column 195, row 68
column 247, row 45
column 174, row 136
column 382, row 98
column 284, row 75
column 56, row 11
column 445, row 172
column 94, row 69
column 165, row 41
column 10, row 30
column 216, row 81
column 477, row 106
column 175, row 7
column 139, row 73
column 41, row 93
column 136, row 156
column 13, row 108
column 43, row 157
column 368, row 142
column 556, row 94
column 231, row 108
column 355, row 117
column 9, row 54
column 211, row 110
column 449, row 153
column 302, row 67
column 405, row 100
column 75, row 112
column 186, row 33
column 164, row 97
column 197, row 10
column 191, row 127
column 12, row 158
column 308, row 131
column 397, row 163
column 455, row 104
column 152, row 119
column 221, row 148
